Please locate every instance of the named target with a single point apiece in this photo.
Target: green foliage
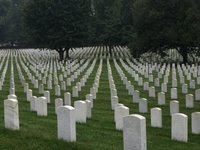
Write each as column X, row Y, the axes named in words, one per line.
column 142, row 25
column 161, row 24
column 58, row 24
column 127, row 33
column 108, row 22
column 4, row 6
column 11, row 23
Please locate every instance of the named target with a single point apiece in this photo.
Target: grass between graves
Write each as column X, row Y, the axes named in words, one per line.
column 99, row 132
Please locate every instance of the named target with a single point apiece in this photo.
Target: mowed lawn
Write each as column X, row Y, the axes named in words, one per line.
column 99, row 132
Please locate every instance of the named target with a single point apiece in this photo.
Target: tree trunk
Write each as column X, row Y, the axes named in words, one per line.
column 61, row 54
column 110, row 50
column 67, row 53
column 184, row 53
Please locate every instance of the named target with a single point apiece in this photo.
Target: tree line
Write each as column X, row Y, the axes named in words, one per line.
column 142, row 25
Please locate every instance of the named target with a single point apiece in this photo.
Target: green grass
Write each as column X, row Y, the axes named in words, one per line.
column 99, row 132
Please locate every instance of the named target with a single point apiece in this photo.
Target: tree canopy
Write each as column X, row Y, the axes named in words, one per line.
column 142, row 25
column 11, row 23
column 107, row 15
column 172, row 24
column 58, row 24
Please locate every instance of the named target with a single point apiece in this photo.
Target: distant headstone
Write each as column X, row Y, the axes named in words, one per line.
column 120, row 112
column 58, row 103
column 196, row 123
column 143, row 108
column 33, row 102
column 67, row 98
column 189, row 101
column 41, row 106
column 197, row 94
column 80, row 111
column 156, row 117
column 174, row 94
column 174, row 107
column 161, row 98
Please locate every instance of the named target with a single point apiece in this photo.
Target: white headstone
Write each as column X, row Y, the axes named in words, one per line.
column 136, row 96
column 152, row 92
column 75, row 91
column 89, row 108
column 150, row 78
column 157, row 82
column 197, row 94
column 196, row 122
column 49, row 85
column 35, row 84
column 192, row 84
column 58, row 103
column 140, row 81
column 66, row 123
column 120, row 112
column 47, row 95
column 174, row 94
column 12, row 96
column 179, row 127
column 174, row 83
column 134, row 132
column 189, row 101
column 80, row 111
column 164, row 87
column 33, row 103
column 146, row 86
column 41, row 89
column 29, row 94
column 63, row 86
column 57, row 90
column 114, row 101
column 93, row 92
column 67, row 98
column 41, row 106
column 184, row 88
column 68, row 81
column 174, row 107
column 11, row 114
column 143, row 108
column 12, row 90
column 90, row 98
column 26, row 87
column 161, row 98
column 156, row 117
column 113, row 92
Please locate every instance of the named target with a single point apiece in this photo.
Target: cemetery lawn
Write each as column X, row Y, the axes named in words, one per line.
column 99, row 132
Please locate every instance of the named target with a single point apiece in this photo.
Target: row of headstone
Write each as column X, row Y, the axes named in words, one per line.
column 120, row 110
column 174, row 81
column 67, row 116
column 156, row 113
column 161, row 95
column 35, row 82
column 77, row 88
column 3, row 74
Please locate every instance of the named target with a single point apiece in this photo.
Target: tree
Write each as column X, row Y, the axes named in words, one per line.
column 160, row 25
column 108, row 22
column 4, row 7
column 12, row 31
column 58, row 24
column 127, row 30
